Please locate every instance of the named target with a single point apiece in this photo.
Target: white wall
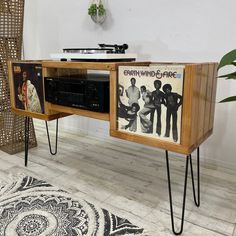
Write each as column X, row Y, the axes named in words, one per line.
column 158, row 30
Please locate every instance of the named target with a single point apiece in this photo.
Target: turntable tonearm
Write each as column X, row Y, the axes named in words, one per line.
column 105, row 53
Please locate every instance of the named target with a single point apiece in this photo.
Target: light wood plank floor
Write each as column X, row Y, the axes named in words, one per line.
column 130, row 180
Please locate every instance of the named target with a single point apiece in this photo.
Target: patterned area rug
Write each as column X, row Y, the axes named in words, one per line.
column 32, row 207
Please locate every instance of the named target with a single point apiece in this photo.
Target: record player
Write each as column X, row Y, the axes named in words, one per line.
column 104, row 53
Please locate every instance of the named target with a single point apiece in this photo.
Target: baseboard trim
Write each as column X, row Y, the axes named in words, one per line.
column 102, row 131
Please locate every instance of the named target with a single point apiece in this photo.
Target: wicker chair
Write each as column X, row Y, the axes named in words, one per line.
column 11, row 31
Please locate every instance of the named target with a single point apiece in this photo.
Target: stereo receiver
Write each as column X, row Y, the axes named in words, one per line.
column 90, row 92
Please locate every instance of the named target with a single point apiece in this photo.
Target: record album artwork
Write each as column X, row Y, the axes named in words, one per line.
column 149, row 101
column 28, row 87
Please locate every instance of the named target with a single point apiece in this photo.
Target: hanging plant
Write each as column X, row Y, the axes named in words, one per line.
column 97, row 11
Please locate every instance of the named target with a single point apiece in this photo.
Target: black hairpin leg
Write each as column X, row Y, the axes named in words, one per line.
column 49, row 141
column 170, row 195
column 197, row 201
column 27, row 121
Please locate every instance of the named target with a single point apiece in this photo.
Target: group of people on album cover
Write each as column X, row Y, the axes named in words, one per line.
column 153, row 102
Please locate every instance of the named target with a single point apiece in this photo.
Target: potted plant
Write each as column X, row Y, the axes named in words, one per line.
column 228, row 59
column 97, row 11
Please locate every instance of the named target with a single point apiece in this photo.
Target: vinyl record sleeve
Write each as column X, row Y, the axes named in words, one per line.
column 150, row 101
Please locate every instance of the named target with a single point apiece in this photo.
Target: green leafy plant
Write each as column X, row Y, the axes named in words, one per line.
column 228, row 59
column 92, row 11
column 95, row 9
column 101, row 10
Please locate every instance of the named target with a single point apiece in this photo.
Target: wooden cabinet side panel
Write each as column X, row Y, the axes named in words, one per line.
column 11, row 85
column 213, row 97
column 195, row 104
column 202, row 100
column 46, row 107
column 187, row 105
column 113, row 99
column 209, row 92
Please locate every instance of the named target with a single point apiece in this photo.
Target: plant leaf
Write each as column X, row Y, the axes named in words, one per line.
column 227, row 59
column 233, row 63
column 230, row 76
column 229, row 99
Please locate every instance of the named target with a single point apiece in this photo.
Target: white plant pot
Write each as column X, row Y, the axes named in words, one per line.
column 99, row 19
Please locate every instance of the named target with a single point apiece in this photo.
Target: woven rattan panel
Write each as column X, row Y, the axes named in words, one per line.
column 11, row 31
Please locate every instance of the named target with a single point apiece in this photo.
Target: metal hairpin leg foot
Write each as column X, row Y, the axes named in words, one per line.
column 170, row 195
column 197, row 201
column 27, row 121
column 49, row 141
